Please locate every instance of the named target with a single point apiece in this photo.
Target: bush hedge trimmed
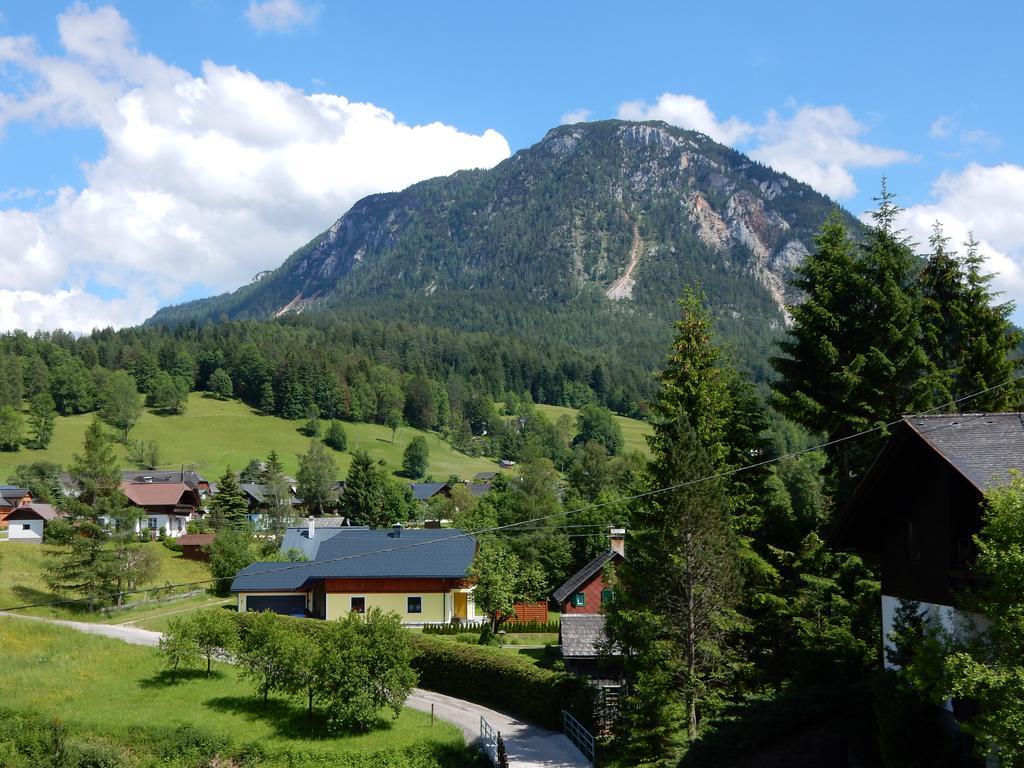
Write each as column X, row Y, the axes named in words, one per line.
column 500, row 680
column 510, row 627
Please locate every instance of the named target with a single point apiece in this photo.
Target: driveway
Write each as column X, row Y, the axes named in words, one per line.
column 527, row 745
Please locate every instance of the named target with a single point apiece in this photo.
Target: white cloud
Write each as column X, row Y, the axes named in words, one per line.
column 988, row 200
column 575, row 116
column 688, row 112
column 979, row 137
column 206, row 179
column 817, row 145
column 941, row 127
column 280, row 15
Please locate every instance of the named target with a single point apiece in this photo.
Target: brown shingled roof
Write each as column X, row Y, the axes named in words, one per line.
column 157, row 494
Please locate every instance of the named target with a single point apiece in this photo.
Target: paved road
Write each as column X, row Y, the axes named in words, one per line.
column 527, row 745
column 132, row 635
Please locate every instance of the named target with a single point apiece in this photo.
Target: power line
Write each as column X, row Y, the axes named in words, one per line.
column 509, row 526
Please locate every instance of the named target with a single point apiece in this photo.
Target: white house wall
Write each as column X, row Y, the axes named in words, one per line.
column 16, row 531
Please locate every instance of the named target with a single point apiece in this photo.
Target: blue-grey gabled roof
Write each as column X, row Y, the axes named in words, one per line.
column 368, row 554
column 425, row 491
column 298, row 538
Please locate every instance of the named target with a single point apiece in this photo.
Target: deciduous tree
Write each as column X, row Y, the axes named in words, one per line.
column 42, row 417
column 416, row 457
column 316, row 477
column 120, row 406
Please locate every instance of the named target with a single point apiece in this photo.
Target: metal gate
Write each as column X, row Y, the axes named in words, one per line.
column 492, row 744
column 579, row 736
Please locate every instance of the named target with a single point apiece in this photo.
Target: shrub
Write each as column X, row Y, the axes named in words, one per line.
column 499, row 680
column 510, row 627
column 172, row 545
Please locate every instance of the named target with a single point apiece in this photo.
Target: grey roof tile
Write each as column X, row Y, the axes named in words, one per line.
column 983, row 447
column 582, row 635
column 368, row 554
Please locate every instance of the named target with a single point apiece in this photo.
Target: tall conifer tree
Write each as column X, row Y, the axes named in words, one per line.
column 967, row 335
column 854, row 358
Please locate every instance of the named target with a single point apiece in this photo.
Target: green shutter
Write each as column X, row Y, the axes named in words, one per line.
column 606, row 595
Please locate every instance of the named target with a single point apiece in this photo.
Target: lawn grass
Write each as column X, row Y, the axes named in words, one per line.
column 109, row 687
column 213, row 434
column 634, row 431
column 22, row 580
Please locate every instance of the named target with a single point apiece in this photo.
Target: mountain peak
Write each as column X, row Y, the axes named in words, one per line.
column 627, row 211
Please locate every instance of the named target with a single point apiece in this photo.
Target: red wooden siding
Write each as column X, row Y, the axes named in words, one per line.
column 592, row 596
column 531, row 611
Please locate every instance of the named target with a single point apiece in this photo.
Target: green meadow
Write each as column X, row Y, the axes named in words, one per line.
column 114, row 690
column 634, row 431
column 22, row 582
column 213, row 434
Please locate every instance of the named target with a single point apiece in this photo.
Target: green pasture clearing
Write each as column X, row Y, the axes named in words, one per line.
column 22, row 581
column 634, row 431
column 111, row 687
column 214, row 434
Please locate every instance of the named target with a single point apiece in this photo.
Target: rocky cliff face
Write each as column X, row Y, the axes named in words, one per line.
column 634, row 211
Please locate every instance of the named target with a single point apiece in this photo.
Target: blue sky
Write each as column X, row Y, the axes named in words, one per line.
column 154, row 152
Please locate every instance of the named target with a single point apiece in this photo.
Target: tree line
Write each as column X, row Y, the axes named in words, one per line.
column 730, row 592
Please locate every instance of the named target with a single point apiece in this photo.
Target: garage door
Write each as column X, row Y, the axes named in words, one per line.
column 286, row 604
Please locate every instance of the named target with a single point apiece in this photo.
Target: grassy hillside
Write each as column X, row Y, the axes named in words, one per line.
column 213, row 434
column 22, row 581
column 111, row 688
column 633, row 430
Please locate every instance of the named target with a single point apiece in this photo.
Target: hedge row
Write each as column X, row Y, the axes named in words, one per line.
column 500, row 680
column 29, row 740
column 510, row 627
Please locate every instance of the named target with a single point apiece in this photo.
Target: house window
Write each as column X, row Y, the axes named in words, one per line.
column 152, row 523
column 26, row 527
column 579, row 600
column 414, row 605
column 358, row 605
column 606, row 595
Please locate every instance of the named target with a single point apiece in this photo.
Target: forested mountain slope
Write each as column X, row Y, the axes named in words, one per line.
column 586, row 238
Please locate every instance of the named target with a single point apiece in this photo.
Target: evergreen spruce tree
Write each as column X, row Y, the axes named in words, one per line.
column 95, row 469
column 678, row 592
column 86, row 567
column 967, row 335
column 229, row 505
column 364, row 496
column 675, row 601
column 854, row 359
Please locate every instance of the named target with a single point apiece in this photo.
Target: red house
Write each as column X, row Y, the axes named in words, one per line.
column 581, row 599
column 586, row 590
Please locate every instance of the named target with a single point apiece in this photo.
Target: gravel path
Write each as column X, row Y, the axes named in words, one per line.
column 527, row 745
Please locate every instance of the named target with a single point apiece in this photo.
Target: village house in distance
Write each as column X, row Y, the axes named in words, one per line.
column 420, row 574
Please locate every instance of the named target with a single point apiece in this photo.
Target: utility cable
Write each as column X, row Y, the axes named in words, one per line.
column 509, row 526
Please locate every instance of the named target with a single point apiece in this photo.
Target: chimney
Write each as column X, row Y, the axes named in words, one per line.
column 396, row 530
column 312, row 527
column 618, row 540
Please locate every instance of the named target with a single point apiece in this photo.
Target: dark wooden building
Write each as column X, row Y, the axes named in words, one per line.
column 920, row 503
